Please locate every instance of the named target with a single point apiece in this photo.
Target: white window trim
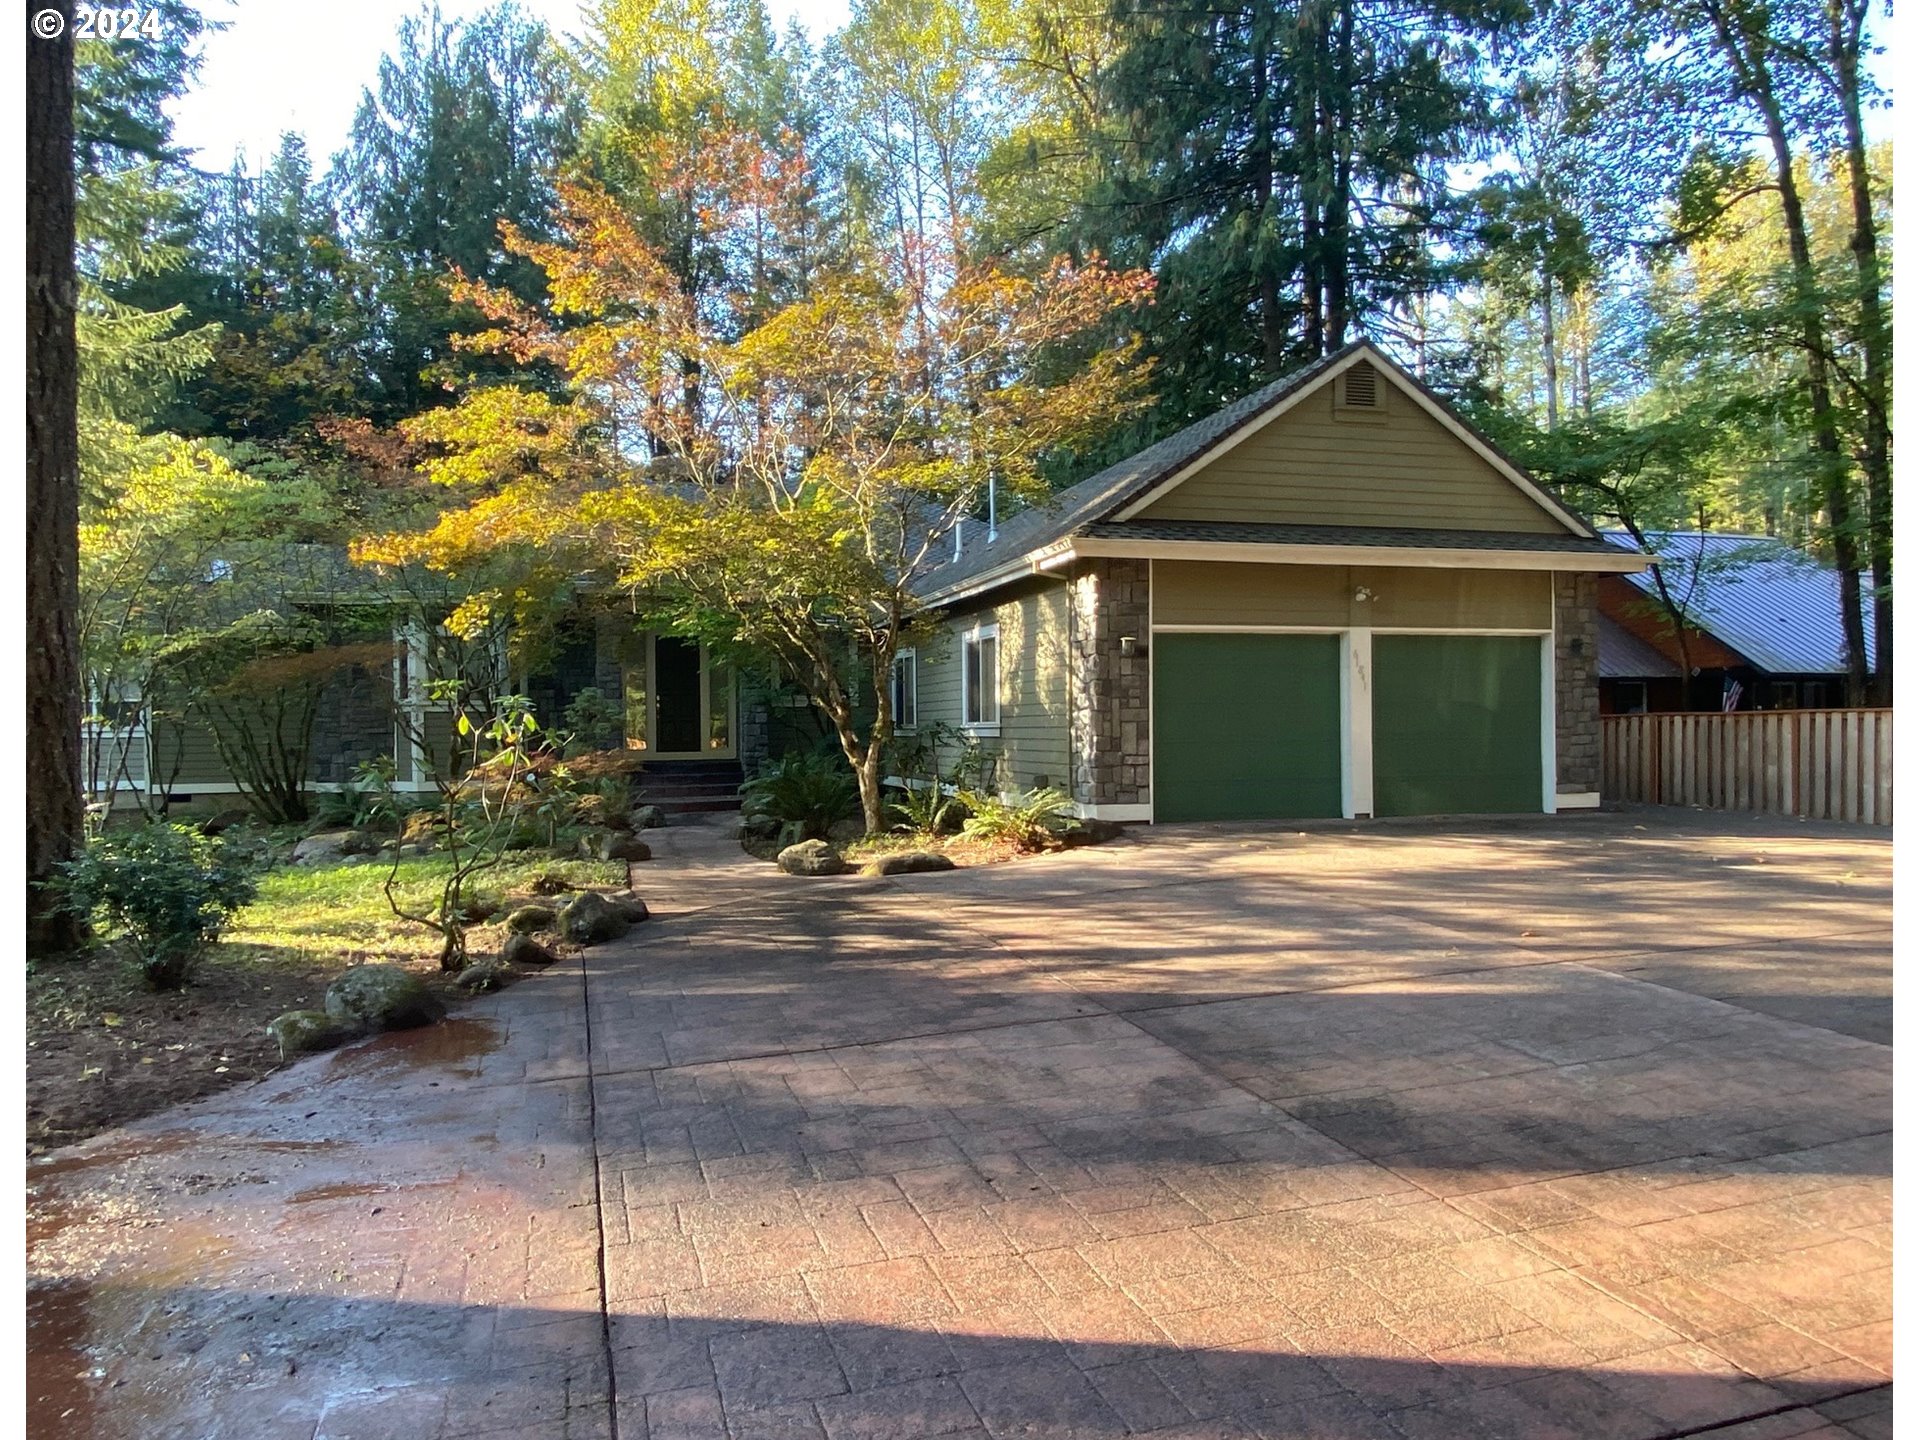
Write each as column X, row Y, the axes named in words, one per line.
column 914, row 655
column 987, row 729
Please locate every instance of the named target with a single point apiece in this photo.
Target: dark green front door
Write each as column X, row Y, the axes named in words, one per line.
column 1246, row 727
column 1456, row 725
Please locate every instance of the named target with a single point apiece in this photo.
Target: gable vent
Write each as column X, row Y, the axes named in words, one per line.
column 1360, row 387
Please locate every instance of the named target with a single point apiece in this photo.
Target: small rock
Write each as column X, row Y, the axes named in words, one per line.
column 525, row 950
column 382, row 997
column 811, row 857
column 590, row 918
column 629, row 905
column 302, row 1032
column 329, row 847
column 908, row 862
column 647, row 817
column 551, row 883
column 613, row 845
column 485, row 976
column 528, row 919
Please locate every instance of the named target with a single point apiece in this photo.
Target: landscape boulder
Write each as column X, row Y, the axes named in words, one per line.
column 382, row 997
column 841, row 831
column 329, row 847
column 614, row 845
column 758, row 827
column 811, row 857
column 485, row 976
column 525, row 950
column 908, row 862
column 302, row 1032
column 629, row 905
column 591, row 919
column 527, row 919
column 647, row 817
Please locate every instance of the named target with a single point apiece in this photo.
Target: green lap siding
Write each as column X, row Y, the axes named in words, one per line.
column 1246, row 727
column 1456, row 724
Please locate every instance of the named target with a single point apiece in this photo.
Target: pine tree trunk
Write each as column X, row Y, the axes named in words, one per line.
column 1549, row 352
column 55, row 814
column 1876, row 345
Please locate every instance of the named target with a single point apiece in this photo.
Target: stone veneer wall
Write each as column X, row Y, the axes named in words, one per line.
column 352, row 723
column 1576, row 638
column 1108, row 691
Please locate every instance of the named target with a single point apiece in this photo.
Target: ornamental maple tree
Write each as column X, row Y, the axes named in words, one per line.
column 768, row 456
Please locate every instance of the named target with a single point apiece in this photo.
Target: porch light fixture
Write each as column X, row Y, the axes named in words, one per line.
column 1128, row 644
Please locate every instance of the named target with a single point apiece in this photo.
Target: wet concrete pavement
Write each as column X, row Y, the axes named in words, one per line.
column 1498, row 1129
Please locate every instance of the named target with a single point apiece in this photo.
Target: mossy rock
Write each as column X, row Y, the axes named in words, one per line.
column 484, row 976
column 304, row 1032
column 908, row 862
column 525, row 950
column 382, row 997
column 591, row 919
column 531, row 919
column 811, row 857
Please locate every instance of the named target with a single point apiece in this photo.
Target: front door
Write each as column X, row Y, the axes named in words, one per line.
column 679, row 699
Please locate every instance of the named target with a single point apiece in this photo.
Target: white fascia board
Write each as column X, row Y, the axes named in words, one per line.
column 1391, row 368
column 1122, row 813
column 1407, row 557
column 1033, row 562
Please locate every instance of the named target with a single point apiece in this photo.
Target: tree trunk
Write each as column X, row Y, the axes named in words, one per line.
column 1746, row 52
column 55, row 813
column 873, row 808
column 1876, row 345
column 1549, row 353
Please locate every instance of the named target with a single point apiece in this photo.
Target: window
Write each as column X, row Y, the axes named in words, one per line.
column 906, row 690
column 980, row 678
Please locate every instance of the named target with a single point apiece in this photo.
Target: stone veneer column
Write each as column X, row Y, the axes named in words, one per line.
column 1108, row 704
column 1576, row 638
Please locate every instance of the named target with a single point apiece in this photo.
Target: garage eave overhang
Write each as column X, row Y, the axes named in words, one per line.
column 1432, row 557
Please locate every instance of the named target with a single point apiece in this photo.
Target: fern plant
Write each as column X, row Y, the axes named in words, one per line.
column 808, row 793
column 1027, row 818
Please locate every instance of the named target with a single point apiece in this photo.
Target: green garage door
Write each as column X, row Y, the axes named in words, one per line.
column 1456, row 724
column 1246, row 727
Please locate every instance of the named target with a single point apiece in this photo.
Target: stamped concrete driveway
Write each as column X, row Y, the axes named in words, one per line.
column 1574, row 1128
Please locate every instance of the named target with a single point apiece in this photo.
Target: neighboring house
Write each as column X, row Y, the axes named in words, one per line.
column 1332, row 598
column 1762, row 629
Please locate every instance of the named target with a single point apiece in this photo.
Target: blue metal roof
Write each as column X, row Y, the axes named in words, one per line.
column 1774, row 604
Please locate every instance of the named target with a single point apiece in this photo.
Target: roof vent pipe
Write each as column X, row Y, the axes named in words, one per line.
column 958, row 521
column 993, row 510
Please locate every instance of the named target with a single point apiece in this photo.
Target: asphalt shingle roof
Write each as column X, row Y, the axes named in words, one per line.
column 1774, row 604
column 1112, row 487
column 1392, row 537
column 1622, row 655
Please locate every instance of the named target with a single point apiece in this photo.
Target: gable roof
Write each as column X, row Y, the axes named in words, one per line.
column 1120, row 490
column 1758, row 595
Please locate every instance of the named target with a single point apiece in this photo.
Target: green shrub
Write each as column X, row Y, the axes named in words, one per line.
column 928, row 808
column 166, row 890
column 811, row 793
column 365, row 802
column 1029, row 818
column 596, row 723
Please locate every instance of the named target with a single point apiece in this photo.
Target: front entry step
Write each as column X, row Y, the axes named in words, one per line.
column 689, row 787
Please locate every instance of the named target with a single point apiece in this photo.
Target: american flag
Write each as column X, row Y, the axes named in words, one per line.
column 1730, row 696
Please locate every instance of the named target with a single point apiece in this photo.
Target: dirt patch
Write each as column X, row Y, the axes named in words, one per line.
column 102, row 1049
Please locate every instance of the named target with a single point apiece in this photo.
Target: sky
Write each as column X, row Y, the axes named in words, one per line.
column 280, row 67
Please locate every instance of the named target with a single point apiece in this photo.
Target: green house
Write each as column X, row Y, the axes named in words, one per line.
column 1331, row 598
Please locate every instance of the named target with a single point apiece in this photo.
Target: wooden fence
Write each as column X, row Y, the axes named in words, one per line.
column 1821, row 764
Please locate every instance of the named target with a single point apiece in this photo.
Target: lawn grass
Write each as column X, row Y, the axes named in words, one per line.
column 343, row 909
column 103, row 1049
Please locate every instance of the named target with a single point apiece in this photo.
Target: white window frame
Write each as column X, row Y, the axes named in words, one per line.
column 911, row 692
column 983, row 726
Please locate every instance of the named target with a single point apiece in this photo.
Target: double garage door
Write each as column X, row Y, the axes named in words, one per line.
column 1251, row 727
